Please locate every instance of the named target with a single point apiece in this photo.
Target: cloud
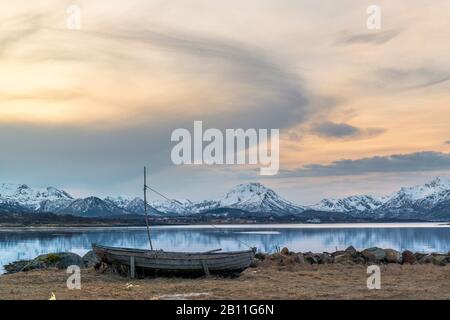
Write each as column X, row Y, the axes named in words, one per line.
column 343, row 130
column 447, row 142
column 411, row 78
column 256, row 90
column 269, row 95
column 18, row 29
column 412, row 162
column 294, row 136
column 376, row 38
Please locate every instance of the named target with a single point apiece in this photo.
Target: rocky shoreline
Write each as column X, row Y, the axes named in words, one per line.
column 350, row 255
column 284, row 257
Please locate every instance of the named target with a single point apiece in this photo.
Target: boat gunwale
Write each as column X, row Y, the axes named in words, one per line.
column 144, row 251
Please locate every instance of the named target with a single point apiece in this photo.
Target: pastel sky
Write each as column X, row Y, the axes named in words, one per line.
column 359, row 111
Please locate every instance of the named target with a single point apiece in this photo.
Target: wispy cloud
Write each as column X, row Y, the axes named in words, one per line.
column 375, row 37
column 413, row 162
column 343, row 130
column 411, row 78
column 18, row 29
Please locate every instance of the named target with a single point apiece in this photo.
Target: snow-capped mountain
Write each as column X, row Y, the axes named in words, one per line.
column 254, row 197
column 136, row 205
column 251, row 197
column 418, row 201
column 92, row 207
column 350, row 204
column 30, row 198
column 430, row 201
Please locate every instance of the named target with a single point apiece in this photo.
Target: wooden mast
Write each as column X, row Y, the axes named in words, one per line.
column 145, row 208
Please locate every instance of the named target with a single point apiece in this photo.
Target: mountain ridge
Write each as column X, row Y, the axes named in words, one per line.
column 429, row 201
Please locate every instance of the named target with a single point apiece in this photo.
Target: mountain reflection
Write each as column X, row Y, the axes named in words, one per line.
column 26, row 245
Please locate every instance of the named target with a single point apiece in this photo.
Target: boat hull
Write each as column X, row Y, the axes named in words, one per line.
column 175, row 263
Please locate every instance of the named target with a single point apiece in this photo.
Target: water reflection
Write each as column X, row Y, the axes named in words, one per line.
column 25, row 245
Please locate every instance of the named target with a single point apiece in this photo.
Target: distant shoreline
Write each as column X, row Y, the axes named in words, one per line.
column 43, row 228
column 49, row 220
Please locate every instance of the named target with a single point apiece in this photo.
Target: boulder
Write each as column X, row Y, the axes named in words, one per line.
column 374, row 254
column 428, row 258
column 436, row 259
column 60, row 260
column 408, row 257
column 344, row 258
column 419, row 255
column 441, row 260
column 300, row 258
column 337, row 253
column 359, row 260
column 64, row 259
column 351, row 251
column 285, row 251
column 16, row 266
column 90, row 259
column 325, row 258
column 311, row 258
column 393, row 256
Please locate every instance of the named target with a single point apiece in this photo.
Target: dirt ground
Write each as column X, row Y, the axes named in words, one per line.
column 331, row 281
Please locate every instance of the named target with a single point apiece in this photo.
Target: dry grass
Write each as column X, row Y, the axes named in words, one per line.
column 332, row 281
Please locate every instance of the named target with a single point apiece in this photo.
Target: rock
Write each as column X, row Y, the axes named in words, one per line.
column 408, row 257
column 359, row 260
column 90, row 259
column 441, row 260
column 311, row 258
column 285, row 251
column 337, row 253
column 419, row 255
column 344, row 258
column 67, row 259
column 428, row 258
column 16, row 266
column 436, row 259
column 325, row 258
column 352, row 251
column 300, row 258
column 374, row 254
column 393, row 256
column 60, row 260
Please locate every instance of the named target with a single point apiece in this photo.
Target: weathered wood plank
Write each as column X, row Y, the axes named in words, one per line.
column 205, row 268
column 132, row 267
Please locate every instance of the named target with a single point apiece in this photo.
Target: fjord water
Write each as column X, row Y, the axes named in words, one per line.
column 422, row 237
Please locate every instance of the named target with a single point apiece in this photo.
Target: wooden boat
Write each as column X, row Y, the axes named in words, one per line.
column 158, row 262
column 161, row 262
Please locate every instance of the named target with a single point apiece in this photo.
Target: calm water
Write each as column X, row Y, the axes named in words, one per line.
column 425, row 237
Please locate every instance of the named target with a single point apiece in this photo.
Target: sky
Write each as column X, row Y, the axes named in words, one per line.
column 359, row 110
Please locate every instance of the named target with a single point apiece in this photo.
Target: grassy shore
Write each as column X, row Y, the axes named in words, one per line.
column 267, row 281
